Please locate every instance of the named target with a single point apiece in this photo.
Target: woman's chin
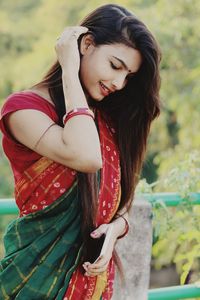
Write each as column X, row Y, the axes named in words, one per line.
column 96, row 97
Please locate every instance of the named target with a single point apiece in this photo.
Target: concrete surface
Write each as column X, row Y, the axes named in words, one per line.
column 135, row 253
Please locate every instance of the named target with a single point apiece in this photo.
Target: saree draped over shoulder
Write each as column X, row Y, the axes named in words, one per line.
column 43, row 246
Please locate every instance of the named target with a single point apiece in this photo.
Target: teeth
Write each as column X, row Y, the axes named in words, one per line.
column 104, row 87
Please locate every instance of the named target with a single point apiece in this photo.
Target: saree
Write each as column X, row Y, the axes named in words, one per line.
column 43, row 246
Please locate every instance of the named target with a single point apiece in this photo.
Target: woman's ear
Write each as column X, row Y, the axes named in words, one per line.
column 87, row 42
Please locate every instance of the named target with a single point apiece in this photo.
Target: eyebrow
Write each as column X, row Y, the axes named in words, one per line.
column 123, row 63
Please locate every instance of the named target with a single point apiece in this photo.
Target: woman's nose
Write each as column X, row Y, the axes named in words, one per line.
column 119, row 82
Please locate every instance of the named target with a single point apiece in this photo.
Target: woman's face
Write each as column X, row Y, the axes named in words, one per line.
column 106, row 68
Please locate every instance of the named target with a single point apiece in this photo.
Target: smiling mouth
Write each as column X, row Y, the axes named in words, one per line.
column 105, row 88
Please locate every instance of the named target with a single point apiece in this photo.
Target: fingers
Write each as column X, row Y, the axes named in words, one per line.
column 97, row 267
column 101, row 263
column 67, row 50
column 94, row 270
column 102, row 229
column 72, row 32
column 77, row 31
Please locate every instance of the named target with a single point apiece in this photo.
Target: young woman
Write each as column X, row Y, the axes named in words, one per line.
column 76, row 142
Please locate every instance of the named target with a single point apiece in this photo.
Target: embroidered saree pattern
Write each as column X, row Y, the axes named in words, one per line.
column 41, row 184
column 47, row 233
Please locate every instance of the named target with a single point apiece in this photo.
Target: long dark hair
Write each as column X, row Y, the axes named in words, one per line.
column 131, row 109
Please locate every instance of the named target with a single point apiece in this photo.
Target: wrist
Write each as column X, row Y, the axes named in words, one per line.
column 73, row 92
column 121, row 226
column 70, row 79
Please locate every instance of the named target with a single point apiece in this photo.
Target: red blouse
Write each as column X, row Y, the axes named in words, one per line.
column 20, row 156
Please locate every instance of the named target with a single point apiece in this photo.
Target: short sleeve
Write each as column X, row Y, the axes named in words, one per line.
column 24, row 100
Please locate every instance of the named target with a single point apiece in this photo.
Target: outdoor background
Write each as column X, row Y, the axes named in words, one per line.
column 28, row 31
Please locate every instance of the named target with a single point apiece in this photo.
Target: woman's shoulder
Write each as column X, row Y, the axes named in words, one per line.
column 27, row 99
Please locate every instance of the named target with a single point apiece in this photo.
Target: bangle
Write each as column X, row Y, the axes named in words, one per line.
column 76, row 114
column 78, row 111
column 126, row 228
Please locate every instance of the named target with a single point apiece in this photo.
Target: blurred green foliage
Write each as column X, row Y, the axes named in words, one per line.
column 6, row 178
column 177, row 230
column 4, row 221
column 28, row 31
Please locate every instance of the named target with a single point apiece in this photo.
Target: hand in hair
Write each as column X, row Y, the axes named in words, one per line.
column 67, row 49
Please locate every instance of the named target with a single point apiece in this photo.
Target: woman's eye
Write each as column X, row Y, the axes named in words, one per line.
column 114, row 67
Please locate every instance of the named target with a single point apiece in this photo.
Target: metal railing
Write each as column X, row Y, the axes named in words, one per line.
column 172, row 199
column 8, row 206
column 175, row 292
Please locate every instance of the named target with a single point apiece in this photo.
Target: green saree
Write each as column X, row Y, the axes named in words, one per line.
column 40, row 247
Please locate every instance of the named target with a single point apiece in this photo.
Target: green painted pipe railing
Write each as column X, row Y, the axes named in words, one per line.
column 175, row 292
column 172, row 199
column 8, row 206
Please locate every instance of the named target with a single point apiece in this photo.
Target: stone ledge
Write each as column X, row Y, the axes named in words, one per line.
column 135, row 253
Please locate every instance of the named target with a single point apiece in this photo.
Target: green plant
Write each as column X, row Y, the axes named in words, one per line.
column 177, row 230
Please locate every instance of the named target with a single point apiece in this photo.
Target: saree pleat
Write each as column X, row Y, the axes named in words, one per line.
column 47, row 252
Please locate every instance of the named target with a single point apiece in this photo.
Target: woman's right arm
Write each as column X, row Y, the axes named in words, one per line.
column 76, row 145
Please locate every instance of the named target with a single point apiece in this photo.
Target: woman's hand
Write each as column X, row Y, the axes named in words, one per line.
column 67, row 49
column 111, row 231
column 101, row 264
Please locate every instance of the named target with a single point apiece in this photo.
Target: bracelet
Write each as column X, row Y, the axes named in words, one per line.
column 78, row 111
column 126, row 228
column 76, row 114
